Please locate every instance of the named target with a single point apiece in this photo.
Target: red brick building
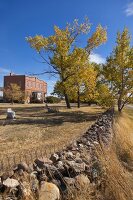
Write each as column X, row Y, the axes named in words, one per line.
column 33, row 88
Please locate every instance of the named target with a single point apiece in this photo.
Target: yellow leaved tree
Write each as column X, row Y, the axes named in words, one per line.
column 61, row 53
column 82, row 83
column 118, row 70
column 13, row 93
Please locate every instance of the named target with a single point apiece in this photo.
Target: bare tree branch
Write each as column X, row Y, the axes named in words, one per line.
column 42, row 73
column 46, row 61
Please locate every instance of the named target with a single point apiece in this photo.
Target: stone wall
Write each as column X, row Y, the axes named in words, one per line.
column 75, row 164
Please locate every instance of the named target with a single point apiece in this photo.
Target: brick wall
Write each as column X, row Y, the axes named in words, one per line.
column 28, row 84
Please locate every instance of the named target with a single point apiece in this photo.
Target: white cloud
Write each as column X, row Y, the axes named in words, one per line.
column 129, row 9
column 97, row 58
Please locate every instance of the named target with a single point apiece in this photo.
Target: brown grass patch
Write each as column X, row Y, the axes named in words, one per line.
column 117, row 162
column 35, row 128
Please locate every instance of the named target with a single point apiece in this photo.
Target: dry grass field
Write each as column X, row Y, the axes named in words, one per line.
column 35, row 128
column 116, row 164
column 129, row 111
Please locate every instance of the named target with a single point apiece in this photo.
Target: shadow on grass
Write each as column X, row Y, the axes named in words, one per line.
column 38, row 109
column 53, row 119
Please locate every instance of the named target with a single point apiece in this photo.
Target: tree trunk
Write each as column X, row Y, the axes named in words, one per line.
column 78, row 100
column 67, row 100
column 12, row 102
column 120, row 105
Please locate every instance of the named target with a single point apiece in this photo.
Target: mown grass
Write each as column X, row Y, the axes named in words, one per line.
column 35, row 128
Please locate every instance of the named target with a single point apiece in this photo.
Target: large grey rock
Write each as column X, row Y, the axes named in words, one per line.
column 78, row 160
column 77, row 167
column 39, row 163
column 60, row 165
column 54, row 157
column 69, row 181
column 69, row 155
column 22, row 166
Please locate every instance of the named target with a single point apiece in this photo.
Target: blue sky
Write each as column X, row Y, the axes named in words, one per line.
column 22, row 18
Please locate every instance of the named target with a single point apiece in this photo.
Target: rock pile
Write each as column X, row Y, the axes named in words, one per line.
column 51, row 178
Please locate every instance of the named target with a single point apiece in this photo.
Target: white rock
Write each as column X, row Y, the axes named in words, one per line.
column 10, row 182
column 96, row 143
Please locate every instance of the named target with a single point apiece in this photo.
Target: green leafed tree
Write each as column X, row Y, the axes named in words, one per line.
column 118, row 70
column 58, row 90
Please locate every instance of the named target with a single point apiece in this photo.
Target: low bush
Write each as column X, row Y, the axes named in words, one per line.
column 52, row 99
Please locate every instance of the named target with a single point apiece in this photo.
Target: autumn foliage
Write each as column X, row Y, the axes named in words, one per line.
column 78, row 78
column 13, row 93
column 118, row 70
column 67, row 60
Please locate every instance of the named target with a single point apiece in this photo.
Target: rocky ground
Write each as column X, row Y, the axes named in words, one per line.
column 51, row 178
